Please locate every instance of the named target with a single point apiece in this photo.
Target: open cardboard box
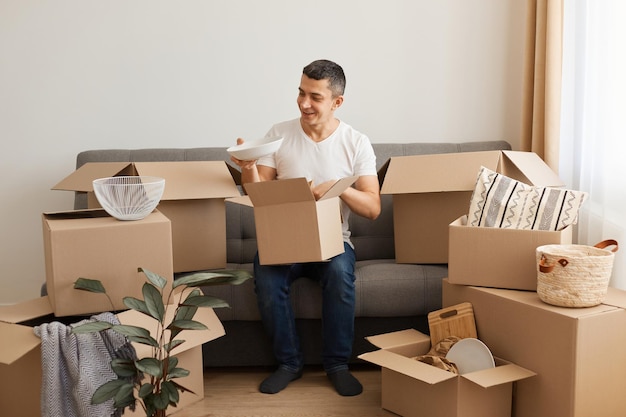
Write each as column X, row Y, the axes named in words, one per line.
column 411, row 388
column 578, row 353
column 193, row 200
column 21, row 362
column 495, row 257
column 291, row 226
column 431, row 191
column 91, row 244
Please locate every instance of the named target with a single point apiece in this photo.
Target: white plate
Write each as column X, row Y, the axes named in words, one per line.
column 255, row 149
column 470, row 355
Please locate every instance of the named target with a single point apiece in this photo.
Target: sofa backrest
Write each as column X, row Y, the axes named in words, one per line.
column 373, row 239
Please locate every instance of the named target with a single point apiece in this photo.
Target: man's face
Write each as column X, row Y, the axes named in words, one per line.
column 315, row 101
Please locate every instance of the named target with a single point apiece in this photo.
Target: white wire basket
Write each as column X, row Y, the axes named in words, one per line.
column 129, row 197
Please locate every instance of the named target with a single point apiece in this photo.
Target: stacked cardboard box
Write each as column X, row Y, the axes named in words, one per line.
column 574, row 352
column 577, row 353
column 91, row 244
column 431, row 191
column 187, row 232
column 193, row 200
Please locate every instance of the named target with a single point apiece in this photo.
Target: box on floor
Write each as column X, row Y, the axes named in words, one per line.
column 431, row 191
column 577, row 353
column 91, row 244
column 412, row 388
column 193, row 200
column 495, row 257
column 21, row 362
column 291, row 225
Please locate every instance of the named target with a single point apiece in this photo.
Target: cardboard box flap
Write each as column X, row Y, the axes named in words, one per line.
column 499, row 375
column 267, row 193
column 408, row 366
column 398, row 338
column 338, row 187
column 26, row 310
column 192, row 338
column 16, row 341
column 243, row 200
column 529, row 168
column 82, row 178
column 187, row 180
column 436, row 173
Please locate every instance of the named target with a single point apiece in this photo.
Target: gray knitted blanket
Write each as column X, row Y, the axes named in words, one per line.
column 75, row 365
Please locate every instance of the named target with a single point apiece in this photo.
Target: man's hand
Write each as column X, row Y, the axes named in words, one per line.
column 320, row 189
column 240, row 163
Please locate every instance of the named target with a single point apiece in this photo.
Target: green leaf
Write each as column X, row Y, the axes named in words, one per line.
column 91, row 285
column 124, row 396
column 173, row 344
column 172, row 392
column 127, row 401
column 123, row 367
column 178, row 373
column 205, row 301
column 154, row 278
column 107, row 391
column 149, row 341
column 145, row 390
column 217, row 277
column 129, row 330
column 161, row 400
column 92, row 327
column 136, row 334
column 150, row 366
column 185, row 312
column 154, row 301
column 136, row 304
column 186, row 325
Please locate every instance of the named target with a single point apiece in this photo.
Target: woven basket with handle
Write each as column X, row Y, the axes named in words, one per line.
column 574, row 275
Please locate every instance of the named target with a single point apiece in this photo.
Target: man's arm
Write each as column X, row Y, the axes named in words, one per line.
column 364, row 198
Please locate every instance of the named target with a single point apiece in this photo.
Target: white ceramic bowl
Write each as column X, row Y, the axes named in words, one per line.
column 254, row 149
column 129, row 197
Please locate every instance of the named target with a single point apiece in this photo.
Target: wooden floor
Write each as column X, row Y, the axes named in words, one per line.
column 233, row 392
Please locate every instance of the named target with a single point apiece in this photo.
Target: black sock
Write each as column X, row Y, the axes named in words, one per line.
column 278, row 381
column 345, row 383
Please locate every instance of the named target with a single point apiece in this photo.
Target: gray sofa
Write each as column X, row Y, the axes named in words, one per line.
column 390, row 296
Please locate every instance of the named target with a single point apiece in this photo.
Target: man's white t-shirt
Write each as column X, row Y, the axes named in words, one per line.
column 345, row 153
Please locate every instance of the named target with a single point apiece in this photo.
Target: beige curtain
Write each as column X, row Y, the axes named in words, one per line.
column 541, row 106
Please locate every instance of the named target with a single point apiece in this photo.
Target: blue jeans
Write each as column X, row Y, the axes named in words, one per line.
column 336, row 277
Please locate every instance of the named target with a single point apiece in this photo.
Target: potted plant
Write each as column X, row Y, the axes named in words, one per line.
column 151, row 381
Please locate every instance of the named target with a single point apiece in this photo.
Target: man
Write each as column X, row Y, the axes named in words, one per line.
column 323, row 149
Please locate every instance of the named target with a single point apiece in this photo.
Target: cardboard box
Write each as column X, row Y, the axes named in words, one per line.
column 578, row 353
column 411, row 388
column 91, row 244
column 193, row 200
column 495, row 257
column 431, row 191
column 21, row 366
column 291, row 226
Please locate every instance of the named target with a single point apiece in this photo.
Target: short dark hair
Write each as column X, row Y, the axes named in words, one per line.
column 324, row 69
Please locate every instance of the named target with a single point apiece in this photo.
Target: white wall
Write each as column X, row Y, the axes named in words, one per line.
column 86, row 74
